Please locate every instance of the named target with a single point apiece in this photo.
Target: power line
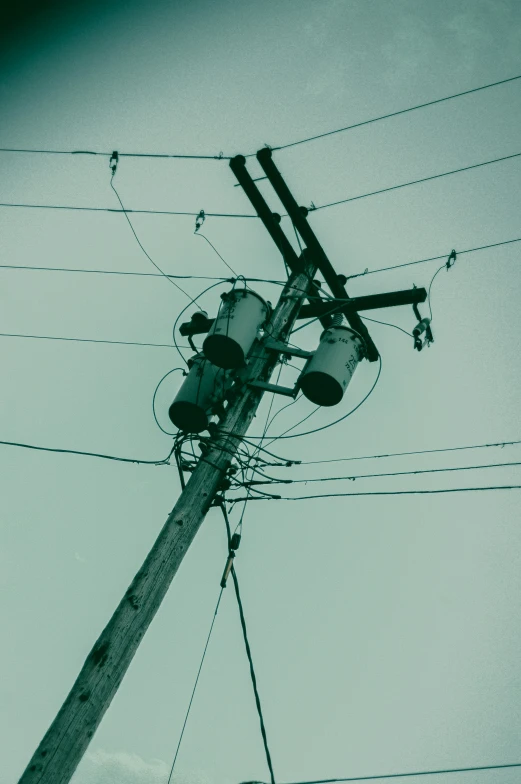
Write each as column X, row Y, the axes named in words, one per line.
column 389, row 492
column 433, row 258
column 177, row 156
column 163, row 461
column 258, row 280
column 90, row 340
column 415, row 182
column 119, row 272
column 240, row 215
column 396, row 114
column 406, row 454
column 195, row 686
column 392, row 473
column 252, row 673
column 149, row 257
column 417, row 773
column 135, row 212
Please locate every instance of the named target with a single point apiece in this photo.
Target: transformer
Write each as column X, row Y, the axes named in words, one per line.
column 202, row 391
column 241, row 315
column 327, row 374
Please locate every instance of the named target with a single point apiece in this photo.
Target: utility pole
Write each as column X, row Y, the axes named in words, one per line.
column 68, row 737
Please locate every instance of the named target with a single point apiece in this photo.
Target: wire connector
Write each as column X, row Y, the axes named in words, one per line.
column 200, row 219
column 113, row 163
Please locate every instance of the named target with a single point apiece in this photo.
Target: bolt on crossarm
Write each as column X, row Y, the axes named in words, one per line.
column 68, row 737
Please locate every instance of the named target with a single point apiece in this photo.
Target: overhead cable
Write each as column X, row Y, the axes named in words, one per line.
column 253, row 676
column 195, row 686
column 383, row 776
column 240, row 215
column 117, row 272
column 90, row 340
column 396, row 114
column 383, row 492
column 178, row 156
column 433, row 258
column 500, row 444
column 314, row 208
column 135, row 212
column 258, row 280
column 163, row 461
column 149, row 257
column 275, row 480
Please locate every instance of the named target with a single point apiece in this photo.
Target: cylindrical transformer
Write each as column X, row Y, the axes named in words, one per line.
column 327, row 374
column 231, row 336
column 203, row 388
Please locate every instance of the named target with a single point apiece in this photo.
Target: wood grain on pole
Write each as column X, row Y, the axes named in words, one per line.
column 68, row 737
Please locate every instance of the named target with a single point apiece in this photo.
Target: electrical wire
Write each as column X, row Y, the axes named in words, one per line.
column 115, row 272
column 378, row 493
column 258, row 280
column 414, row 182
column 163, row 461
column 154, row 400
column 216, row 251
column 275, row 480
column 396, row 114
column 149, row 257
column 178, row 156
column 91, row 340
column 127, row 210
column 387, row 324
column 432, row 258
column 498, row 444
column 415, row 773
column 340, row 419
column 252, row 674
column 221, row 157
column 195, row 685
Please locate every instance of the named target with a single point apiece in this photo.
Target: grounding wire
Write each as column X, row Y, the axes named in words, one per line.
column 396, row 114
column 195, row 686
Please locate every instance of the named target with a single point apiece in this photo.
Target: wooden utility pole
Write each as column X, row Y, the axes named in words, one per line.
column 68, row 737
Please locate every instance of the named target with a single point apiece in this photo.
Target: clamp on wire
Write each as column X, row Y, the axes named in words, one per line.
column 200, row 219
column 113, row 163
column 234, row 545
column 423, row 326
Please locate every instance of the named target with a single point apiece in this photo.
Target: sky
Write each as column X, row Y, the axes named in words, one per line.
column 383, row 629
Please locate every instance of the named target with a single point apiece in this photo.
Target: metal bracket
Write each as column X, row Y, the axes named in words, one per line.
column 287, row 391
column 283, row 348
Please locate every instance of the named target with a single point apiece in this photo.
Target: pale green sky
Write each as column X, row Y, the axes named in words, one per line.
column 385, row 632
